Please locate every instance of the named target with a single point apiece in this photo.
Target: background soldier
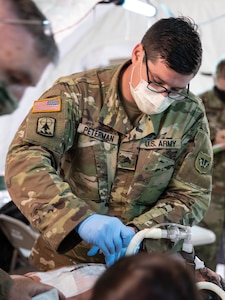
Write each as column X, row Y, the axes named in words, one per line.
column 214, row 101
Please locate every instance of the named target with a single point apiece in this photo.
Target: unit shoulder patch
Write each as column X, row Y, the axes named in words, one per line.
column 46, row 126
column 202, row 162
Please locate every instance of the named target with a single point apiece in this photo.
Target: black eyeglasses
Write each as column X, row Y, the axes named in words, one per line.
column 45, row 23
column 158, row 88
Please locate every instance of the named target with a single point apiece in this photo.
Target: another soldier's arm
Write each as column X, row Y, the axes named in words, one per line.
column 6, row 283
column 219, row 137
column 20, row 287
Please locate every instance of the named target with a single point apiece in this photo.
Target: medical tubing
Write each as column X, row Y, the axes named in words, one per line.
column 218, row 148
column 153, row 233
column 210, row 286
column 177, row 232
column 173, row 233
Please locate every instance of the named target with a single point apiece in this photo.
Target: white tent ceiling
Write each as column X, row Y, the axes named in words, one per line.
column 91, row 35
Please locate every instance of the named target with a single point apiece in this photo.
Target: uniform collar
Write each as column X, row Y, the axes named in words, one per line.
column 113, row 114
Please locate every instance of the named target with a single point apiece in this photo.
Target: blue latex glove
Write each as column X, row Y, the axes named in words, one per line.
column 107, row 234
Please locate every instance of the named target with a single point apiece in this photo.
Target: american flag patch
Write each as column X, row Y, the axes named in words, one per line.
column 47, row 105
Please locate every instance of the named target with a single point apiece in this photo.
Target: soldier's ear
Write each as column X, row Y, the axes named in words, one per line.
column 137, row 53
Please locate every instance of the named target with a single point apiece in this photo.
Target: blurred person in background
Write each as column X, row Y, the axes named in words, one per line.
column 27, row 47
column 214, row 101
column 24, row 53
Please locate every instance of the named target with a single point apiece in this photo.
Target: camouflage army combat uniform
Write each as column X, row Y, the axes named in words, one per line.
column 215, row 216
column 8, row 103
column 6, row 283
column 76, row 153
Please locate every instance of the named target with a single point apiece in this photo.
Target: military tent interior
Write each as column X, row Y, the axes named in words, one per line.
column 92, row 34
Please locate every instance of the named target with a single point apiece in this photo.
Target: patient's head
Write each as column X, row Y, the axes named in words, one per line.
column 147, row 276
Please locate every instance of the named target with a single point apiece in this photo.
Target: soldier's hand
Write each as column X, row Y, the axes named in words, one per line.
column 106, row 234
column 206, row 274
column 25, row 288
column 220, row 137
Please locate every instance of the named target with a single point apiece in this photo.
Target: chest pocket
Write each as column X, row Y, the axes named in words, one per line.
column 92, row 169
column 153, row 173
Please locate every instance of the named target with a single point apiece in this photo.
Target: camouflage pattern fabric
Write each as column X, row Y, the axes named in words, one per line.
column 76, row 153
column 6, row 283
column 7, row 101
column 215, row 216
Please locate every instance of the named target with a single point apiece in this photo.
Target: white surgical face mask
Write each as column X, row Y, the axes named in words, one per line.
column 148, row 101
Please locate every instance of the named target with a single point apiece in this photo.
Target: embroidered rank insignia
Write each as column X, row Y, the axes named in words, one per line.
column 202, row 162
column 46, row 126
column 47, row 105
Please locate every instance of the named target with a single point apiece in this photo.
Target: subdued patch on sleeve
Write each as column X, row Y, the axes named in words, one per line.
column 203, row 162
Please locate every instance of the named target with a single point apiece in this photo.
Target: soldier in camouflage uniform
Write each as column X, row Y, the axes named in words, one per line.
column 214, row 101
column 110, row 151
column 22, row 23
column 15, row 286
